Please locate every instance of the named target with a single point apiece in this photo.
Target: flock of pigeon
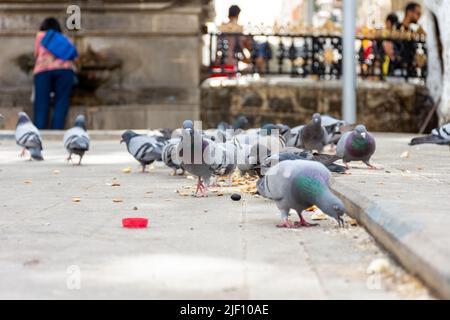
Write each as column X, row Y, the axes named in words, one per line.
column 293, row 171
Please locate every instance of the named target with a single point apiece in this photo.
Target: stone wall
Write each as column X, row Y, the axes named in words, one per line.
column 382, row 106
column 159, row 43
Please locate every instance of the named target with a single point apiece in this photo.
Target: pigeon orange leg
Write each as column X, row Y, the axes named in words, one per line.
column 304, row 223
column 79, row 162
column 200, row 187
column 22, row 153
column 285, row 221
column 286, row 224
column 230, row 180
column 371, row 166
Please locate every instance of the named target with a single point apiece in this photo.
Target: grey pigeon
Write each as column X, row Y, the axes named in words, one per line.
column 170, row 157
column 225, row 160
column 28, row 137
column 300, row 154
column 195, row 152
column 335, row 128
column 76, row 140
column 356, row 145
column 298, row 185
column 144, row 148
column 239, row 123
column 312, row 136
column 265, row 145
column 440, row 136
column 283, row 130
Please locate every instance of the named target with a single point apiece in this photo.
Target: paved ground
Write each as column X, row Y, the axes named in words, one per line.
column 195, row 248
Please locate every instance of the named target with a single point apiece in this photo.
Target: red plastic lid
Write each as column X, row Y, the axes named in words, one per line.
column 135, row 223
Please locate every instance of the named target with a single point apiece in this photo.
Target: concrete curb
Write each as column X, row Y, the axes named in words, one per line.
column 404, row 240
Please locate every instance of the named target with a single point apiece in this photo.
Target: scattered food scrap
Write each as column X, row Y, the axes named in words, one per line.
column 127, row 170
column 405, row 155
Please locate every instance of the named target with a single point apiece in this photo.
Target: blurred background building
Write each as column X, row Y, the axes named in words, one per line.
column 146, row 63
column 139, row 64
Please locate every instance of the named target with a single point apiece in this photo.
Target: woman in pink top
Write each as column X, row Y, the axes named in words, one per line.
column 51, row 75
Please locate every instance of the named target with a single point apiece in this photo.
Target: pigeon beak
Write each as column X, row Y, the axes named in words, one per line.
column 364, row 135
column 121, row 141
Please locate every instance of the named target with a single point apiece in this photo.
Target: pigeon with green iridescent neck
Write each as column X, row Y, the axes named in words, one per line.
column 356, row 145
column 299, row 185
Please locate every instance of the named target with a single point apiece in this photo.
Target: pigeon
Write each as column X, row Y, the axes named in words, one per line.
column 226, row 132
column 283, row 130
column 144, row 148
column 312, row 136
column 298, row 185
column 239, row 123
column 440, row 136
column 257, row 147
column 76, row 139
column 300, row 154
column 335, row 128
column 225, row 160
column 170, row 157
column 28, row 137
column 356, row 145
column 195, row 152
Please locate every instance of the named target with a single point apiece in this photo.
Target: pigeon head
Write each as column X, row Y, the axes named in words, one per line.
column 361, row 131
column 317, row 119
column 268, row 128
column 80, row 121
column 283, row 128
column 240, row 122
column 127, row 136
column 188, row 124
column 334, row 208
column 23, row 118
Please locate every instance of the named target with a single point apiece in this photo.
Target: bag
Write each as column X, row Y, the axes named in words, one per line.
column 59, row 45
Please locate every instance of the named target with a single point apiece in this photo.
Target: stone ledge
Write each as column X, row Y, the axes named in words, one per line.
column 408, row 243
column 405, row 206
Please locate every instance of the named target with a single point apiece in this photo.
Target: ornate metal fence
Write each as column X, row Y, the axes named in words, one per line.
column 379, row 55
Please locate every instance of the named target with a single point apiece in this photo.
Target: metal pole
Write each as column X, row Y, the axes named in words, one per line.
column 349, row 62
column 310, row 13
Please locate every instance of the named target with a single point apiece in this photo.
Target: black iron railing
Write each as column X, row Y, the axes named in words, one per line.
column 317, row 56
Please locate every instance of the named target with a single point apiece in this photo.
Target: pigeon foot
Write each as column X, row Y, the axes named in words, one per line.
column 305, row 224
column 286, row 225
